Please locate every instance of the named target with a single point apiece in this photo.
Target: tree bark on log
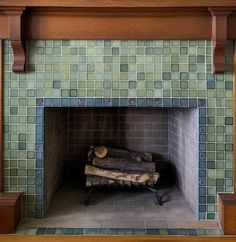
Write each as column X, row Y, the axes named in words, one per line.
column 91, row 154
column 124, row 164
column 103, row 151
column 116, row 175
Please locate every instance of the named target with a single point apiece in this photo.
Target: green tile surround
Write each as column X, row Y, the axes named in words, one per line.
column 117, row 69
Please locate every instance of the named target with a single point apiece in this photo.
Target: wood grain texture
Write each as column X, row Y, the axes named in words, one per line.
column 15, row 36
column 22, row 238
column 1, row 116
column 10, row 210
column 118, row 3
column 128, row 25
column 219, row 37
column 227, row 213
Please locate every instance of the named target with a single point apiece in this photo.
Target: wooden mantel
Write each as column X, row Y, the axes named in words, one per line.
column 118, row 19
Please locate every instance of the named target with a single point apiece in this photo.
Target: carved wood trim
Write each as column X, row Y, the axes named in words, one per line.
column 15, row 33
column 219, row 37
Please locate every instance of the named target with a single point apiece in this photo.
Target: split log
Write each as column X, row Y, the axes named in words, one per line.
column 103, row 181
column 124, row 164
column 103, row 151
column 116, row 175
column 98, row 181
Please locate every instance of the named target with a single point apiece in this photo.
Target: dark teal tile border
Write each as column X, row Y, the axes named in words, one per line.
column 119, row 231
column 199, row 103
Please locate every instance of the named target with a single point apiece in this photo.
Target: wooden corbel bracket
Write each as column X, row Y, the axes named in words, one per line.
column 15, row 35
column 219, row 37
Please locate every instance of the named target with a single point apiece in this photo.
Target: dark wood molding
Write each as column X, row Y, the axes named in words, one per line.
column 15, row 36
column 119, row 3
column 118, row 19
column 120, row 238
column 1, row 116
column 227, row 212
column 219, row 37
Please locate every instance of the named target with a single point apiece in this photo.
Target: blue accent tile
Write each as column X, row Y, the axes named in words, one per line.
column 202, row 164
column 115, row 102
column 182, row 231
column 202, row 199
column 39, row 101
column 39, row 147
column 40, row 129
column 39, row 155
column 107, row 102
column 39, row 173
column 193, row 102
column 39, row 189
column 123, row 102
column 202, row 120
column 39, row 120
column 202, row 138
column 202, row 102
column 149, row 102
column 81, row 102
column 56, row 102
column 69, row 231
column 202, row 147
column 153, row 232
column 202, row 129
column 51, row 231
column 73, row 102
column 202, row 191
column 64, row 102
column 79, row 231
column 202, row 156
column 39, row 198
column 202, row 111
column 172, row 231
column 98, row 102
column 192, row 232
column 167, row 102
column 158, row 102
column 202, row 215
column 48, row 102
column 175, row 102
column 90, row 102
column 41, row 231
column 39, row 111
column 140, row 231
column 132, row 102
column 39, row 163
column 141, row 102
column 38, row 181
column 202, row 181
column 202, row 173
column 183, row 102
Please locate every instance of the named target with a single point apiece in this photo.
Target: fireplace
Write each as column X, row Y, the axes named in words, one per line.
column 77, row 76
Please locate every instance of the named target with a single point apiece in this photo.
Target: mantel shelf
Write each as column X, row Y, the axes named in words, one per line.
column 118, row 19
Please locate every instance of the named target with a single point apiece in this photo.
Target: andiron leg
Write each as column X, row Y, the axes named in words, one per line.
column 158, row 197
column 90, row 192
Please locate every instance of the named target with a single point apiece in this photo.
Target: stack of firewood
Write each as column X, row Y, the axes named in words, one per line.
column 115, row 166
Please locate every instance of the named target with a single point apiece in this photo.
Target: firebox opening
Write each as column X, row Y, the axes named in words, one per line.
column 170, row 134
